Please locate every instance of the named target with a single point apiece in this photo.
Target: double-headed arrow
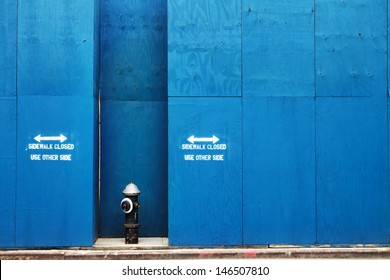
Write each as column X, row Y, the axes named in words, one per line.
column 192, row 139
column 40, row 138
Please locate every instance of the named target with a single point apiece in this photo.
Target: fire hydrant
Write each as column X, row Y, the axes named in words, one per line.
column 130, row 207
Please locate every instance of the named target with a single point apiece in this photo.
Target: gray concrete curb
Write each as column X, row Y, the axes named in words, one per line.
column 192, row 253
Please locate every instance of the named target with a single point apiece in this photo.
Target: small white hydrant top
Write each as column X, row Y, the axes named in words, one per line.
column 131, row 190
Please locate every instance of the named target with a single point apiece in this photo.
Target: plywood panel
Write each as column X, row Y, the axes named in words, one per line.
column 279, row 171
column 278, row 48
column 8, row 47
column 134, row 148
column 8, row 171
column 352, row 171
column 205, row 171
column 56, row 41
column 204, row 48
column 56, row 197
column 134, row 50
column 351, row 48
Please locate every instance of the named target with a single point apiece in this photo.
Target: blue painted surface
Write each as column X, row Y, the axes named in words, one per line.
column 278, row 48
column 351, row 48
column 134, row 50
column 279, row 171
column 204, row 48
column 8, row 47
column 134, row 113
column 8, row 171
column 134, row 147
column 55, row 199
column 56, row 41
column 352, row 171
column 205, row 196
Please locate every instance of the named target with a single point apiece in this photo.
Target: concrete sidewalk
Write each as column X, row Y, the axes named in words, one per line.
column 158, row 249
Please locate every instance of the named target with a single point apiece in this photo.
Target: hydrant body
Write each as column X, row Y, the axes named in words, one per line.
column 130, row 207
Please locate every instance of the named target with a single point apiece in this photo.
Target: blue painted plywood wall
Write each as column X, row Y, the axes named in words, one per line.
column 134, row 113
column 60, row 38
column 134, row 50
column 56, row 195
column 279, row 171
column 351, row 48
column 7, row 122
column 205, row 180
column 204, row 42
column 278, row 48
column 8, row 171
column 304, row 180
column 204, row 48
column 8, row 48
column 134, row 147
column 352, row 170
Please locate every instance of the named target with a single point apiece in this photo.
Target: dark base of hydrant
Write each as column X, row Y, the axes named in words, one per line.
column 131, row 236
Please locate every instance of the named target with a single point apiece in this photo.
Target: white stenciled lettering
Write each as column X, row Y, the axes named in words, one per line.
column 189, row 157
column 218, row 157
column 35, row 157
column 216, row 147
column 66, row 157
column 193, row 147
column 64, row 146
column 49, row 157
column 203, row 157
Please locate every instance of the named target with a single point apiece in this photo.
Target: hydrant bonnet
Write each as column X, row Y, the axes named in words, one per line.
column 131, row 190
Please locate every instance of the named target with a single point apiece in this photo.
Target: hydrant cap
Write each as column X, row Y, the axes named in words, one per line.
column 131, row 190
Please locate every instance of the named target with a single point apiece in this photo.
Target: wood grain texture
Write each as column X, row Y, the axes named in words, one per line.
column 204, row 48
column 278, row 48
column 279, row 171
column 56, row 41
column 205, row 197
column 134, row 50
column 352, row 171
column 351, row 52
column 8, row 48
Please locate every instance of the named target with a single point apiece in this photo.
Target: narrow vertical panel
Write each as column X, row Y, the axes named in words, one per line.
column 205, row 171
column 279, row 171
column 134, row 50
column 8, row 172
column 8, row 47
column 204, row 48
column 134, row 148
column 56, row 172
column 352, row 171
column 351, row 52
column 278, row 48
column 56, row 42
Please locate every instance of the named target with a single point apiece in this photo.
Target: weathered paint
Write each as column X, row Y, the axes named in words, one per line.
column 56, row 41
column 205, row 196
column 279, row 170
column 8, row 47
column 278, row 48
column 134, row 147
column 352, row 171
column 204, row 48
column 351, row 48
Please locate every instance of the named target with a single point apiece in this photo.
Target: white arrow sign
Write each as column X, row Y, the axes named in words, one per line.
column 193, row 139
column 40, row 138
